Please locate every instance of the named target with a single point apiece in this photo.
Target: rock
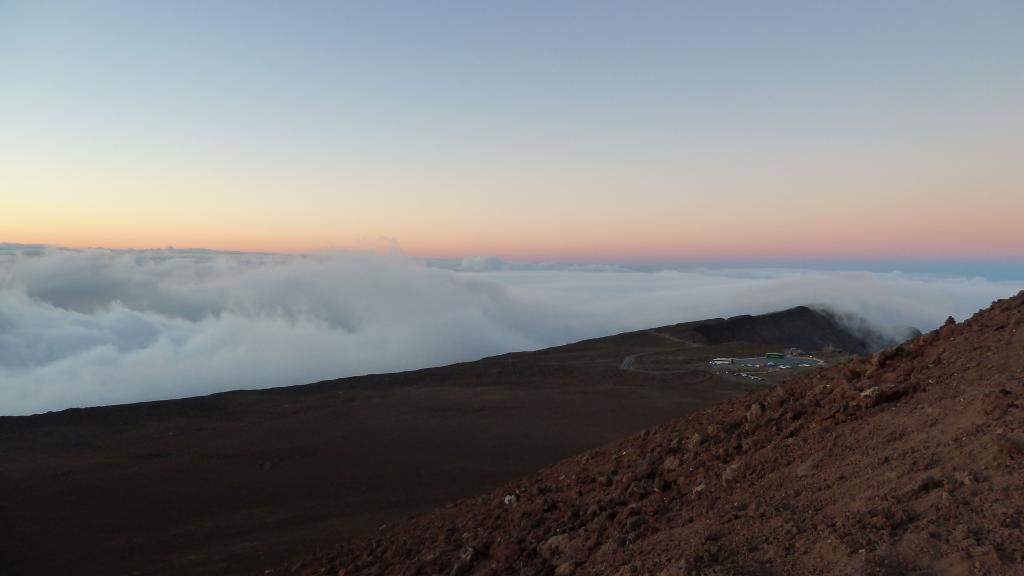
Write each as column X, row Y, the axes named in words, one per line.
column 947, row 329
column 882, row 395
column 662, row 485
column 649, row 467
column 465, row 563
column 755, row 412
column 977, row 551
column 671, row 463
column 730, row 472
column 511, row 499
column 695, row 441
column 637, row 490
column 675, row 444
column 565, row 569
column 1011, row 446
column 881, row 359
column 635, row 524
column 928, row 483
column 554, row 546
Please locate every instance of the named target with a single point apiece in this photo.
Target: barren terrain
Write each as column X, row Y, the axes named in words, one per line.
column 235, row 483
column 910, row 461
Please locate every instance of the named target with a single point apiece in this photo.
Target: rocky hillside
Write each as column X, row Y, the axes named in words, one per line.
column 910, row 461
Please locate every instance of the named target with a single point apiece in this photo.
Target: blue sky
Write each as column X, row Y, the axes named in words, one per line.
column 570, row 130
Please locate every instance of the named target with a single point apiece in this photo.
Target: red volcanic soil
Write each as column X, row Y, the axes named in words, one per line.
column 232, row 483
column 910, row 461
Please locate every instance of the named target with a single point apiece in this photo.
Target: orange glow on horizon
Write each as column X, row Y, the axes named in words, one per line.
column 793, row 249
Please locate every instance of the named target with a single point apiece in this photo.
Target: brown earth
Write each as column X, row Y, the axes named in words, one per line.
column 907, row 462
column 233, row 483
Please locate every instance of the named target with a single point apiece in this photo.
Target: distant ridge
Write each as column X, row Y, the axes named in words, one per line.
column 801, row 327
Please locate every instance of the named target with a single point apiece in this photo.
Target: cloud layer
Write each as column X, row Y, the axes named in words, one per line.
column 83, row 328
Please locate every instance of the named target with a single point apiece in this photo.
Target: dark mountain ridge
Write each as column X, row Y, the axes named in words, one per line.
column 801, row 327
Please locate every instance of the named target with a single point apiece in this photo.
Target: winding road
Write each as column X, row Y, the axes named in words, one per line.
column 629, row 362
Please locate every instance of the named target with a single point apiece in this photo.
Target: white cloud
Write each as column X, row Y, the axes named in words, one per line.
column 81, row 328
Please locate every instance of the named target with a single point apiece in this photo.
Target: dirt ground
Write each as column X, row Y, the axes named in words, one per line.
column 232, row 483
column 237, row 483
column 907, row 462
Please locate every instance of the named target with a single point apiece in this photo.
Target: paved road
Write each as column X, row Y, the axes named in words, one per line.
column 790, row 361
column 629, row 362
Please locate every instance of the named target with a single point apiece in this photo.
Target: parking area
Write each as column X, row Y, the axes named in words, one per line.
column 756, row 368
column 779, row 363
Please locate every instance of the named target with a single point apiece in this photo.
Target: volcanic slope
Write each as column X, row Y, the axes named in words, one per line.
column 232, row 483
column 910, row 461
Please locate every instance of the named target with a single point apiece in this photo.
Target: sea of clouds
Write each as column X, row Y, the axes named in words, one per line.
column 94, row 327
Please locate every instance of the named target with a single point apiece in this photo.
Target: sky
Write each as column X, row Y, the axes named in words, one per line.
column 556, row 131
